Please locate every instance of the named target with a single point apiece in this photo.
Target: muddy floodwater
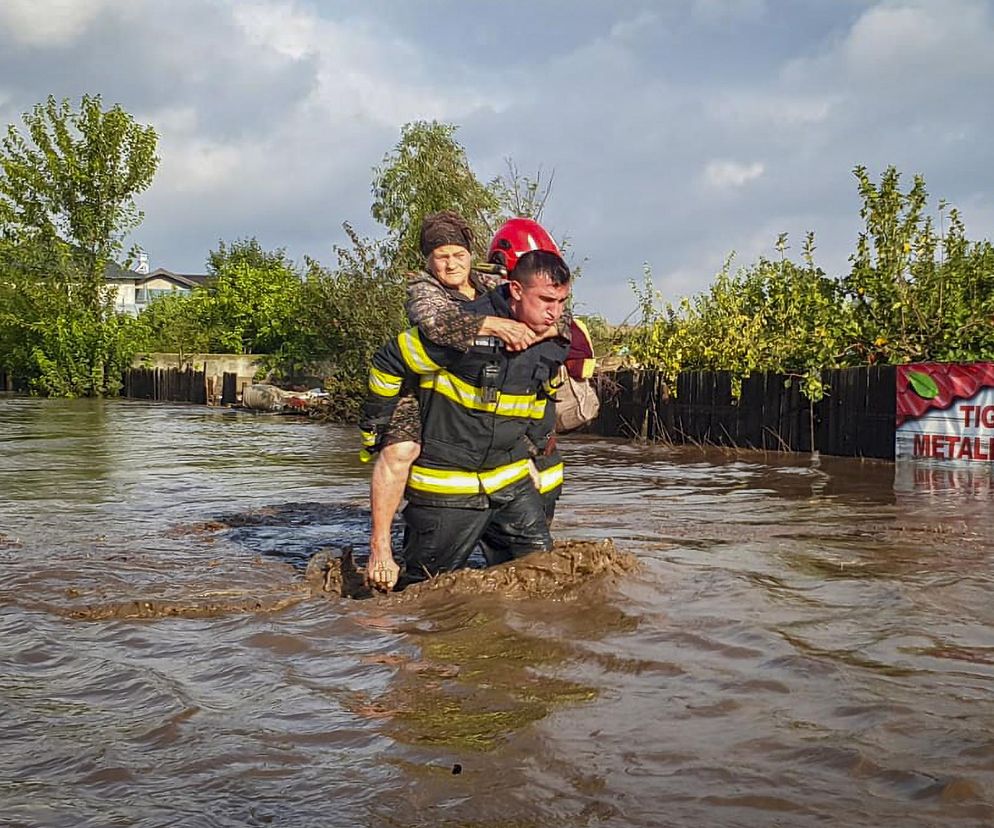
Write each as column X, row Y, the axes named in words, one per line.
column 730, row 639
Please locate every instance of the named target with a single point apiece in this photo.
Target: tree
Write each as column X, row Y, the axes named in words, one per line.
column 251, row 299
column 428, row 171
column 521, row 195
column 345, row 315
column 72, row 178
column 172, row 324
column 67, row 185
column 918, row 295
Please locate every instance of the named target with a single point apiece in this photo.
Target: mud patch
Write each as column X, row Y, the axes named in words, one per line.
column 565, row 573
column 225, row 585
column 203, row 529
column 477, row 681
column 148, row 587
column 206, row 605
column 479, row 678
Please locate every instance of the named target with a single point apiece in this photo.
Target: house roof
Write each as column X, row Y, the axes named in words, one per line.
column 115, row 273
column 186, row 279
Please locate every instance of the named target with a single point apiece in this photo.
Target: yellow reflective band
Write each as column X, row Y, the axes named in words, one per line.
column 414, row 353
column 504, row 476
column 368, row 438
column 589, row 365
column 550, row 478
column 538, row 409
column 384, row 384
column 454, row 482
column 472, row 397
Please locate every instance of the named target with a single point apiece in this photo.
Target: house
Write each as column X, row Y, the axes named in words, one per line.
column 134, row 289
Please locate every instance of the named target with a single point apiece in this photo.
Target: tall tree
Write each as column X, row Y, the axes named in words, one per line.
column 427, row 171
column 72, row 176
column 68, row 180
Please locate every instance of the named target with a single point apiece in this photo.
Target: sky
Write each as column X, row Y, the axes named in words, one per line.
column 676, row 132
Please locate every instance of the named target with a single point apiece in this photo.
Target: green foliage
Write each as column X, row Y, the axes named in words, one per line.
column 771, row 316
column 76, row 357
column 918, row 295
column 56, row 343
column 252, row 299
column 72, row 176
column 428, row 171
column 345, row 315
column 67, row 185
column 172, row 324
column 249, row 305
column 911, row 295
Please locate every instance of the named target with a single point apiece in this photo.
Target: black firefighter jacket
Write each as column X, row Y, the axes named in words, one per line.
column 484, row 412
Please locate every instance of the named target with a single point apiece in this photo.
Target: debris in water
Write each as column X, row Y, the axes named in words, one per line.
column 560, row 574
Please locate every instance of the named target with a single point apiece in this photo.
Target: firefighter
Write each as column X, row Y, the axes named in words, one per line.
column 438, row 299
column 484, row 413
column 515, row 238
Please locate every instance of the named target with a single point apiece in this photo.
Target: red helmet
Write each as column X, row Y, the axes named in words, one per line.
column 516, row 237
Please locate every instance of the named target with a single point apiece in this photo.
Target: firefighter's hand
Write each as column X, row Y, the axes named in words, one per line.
column 515, row 335
column 534, row 475
column 382, row 571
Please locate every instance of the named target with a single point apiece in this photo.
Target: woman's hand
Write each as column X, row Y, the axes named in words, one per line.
column 515, row 335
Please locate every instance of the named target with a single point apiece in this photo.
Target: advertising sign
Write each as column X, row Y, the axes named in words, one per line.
column 945, row 412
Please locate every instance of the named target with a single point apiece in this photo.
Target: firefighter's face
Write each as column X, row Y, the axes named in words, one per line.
column 450, row 265
column 539, row 304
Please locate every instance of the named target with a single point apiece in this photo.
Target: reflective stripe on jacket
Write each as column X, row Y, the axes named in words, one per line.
column 482, row 411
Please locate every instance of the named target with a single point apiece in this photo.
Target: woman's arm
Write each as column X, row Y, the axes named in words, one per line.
column 445, row 321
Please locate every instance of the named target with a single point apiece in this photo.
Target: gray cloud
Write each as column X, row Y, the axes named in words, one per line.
column 678, row 132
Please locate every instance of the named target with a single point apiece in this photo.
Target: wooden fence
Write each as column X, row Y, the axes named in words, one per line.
column 165, row 384
column 856, row 418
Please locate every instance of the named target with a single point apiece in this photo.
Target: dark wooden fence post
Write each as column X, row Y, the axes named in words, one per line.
column 855, row 418
column 229, row 388
column 165, row 385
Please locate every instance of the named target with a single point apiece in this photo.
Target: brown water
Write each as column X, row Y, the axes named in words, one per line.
column 800, row 644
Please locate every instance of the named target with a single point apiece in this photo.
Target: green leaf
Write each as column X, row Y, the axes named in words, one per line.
column 923, row 385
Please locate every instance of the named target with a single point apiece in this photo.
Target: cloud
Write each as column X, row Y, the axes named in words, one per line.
column 631, row 28
column 751, row 108
column 910, row 49
column 724, row 175
column 51, row 22
column 940, row 40
column 677, row 132
column 722, row 10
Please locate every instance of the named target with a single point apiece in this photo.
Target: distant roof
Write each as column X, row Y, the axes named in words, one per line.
column 187, row 279
column 115, row 273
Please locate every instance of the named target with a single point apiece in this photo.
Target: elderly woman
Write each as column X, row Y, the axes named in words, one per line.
column 435, row 302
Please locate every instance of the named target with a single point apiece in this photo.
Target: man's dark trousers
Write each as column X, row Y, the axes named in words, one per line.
column 441, row 538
